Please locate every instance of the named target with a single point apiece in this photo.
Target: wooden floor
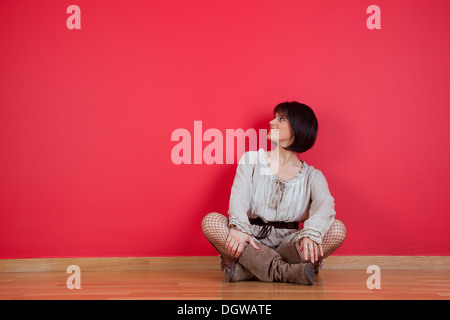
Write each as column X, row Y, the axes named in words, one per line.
column 209, row 284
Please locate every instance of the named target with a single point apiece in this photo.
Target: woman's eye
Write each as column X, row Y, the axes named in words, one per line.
column 282, row 119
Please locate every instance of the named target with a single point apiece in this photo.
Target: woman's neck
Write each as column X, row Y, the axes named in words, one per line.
column 283, row 156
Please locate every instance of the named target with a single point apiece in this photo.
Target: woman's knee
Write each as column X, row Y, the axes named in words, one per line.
column 211, row 219
column 339, row 229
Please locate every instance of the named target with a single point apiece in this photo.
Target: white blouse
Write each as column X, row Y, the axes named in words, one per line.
column 258, row 192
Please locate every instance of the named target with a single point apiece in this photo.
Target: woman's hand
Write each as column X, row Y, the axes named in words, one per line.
column 236, row 241
column 310, row 249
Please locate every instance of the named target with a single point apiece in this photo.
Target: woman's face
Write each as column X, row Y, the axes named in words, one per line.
column 280, row 124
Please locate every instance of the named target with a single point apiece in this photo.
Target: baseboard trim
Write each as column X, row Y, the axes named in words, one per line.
column 211, row 263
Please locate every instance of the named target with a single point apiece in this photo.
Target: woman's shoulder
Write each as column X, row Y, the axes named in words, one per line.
column 315, row 175
column 250, row 157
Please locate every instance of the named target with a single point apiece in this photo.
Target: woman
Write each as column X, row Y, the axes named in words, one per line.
column 272, row 192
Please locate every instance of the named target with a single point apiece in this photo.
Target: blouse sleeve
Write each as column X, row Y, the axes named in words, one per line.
column 321, row 211
column 241, row 194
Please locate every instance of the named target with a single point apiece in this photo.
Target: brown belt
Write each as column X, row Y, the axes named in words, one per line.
column 267, row 226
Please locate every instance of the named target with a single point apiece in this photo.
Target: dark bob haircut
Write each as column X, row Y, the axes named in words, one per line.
column 303, row 122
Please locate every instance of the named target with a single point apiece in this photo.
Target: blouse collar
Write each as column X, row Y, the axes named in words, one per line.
column 267, row 171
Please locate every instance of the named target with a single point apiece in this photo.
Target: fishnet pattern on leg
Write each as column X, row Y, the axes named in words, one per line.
column 332, row 240
column 215, row 228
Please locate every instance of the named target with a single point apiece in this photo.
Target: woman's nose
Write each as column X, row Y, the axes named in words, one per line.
column 273, row 122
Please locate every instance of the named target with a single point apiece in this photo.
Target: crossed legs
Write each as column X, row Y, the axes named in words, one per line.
column 215, row 228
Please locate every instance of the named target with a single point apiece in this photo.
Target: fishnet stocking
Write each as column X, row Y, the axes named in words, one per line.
column 332, row 240
column 215, row 228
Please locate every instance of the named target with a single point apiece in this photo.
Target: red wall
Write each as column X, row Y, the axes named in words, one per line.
column 86, row 118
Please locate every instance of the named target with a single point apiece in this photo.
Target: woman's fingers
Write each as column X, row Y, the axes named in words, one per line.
column 305, row 250
column 230, row 245
column 240, row 249
column 253, row 243
column 235, row 248
column 316, row 252
column 235, row 243
column 311, row 252
column 227, row 243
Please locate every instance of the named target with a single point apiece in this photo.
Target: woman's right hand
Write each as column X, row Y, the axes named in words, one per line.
column 236, row 241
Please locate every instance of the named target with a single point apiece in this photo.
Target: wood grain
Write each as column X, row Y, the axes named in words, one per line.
column 210, row 284
column 211, row 263
column 191, row 278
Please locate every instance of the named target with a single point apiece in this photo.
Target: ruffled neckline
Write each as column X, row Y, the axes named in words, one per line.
column 268, row 171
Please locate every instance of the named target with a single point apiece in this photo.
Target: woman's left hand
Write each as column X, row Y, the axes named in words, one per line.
column 310, row 249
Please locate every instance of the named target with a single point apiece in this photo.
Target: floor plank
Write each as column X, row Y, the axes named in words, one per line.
column 209, row 284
